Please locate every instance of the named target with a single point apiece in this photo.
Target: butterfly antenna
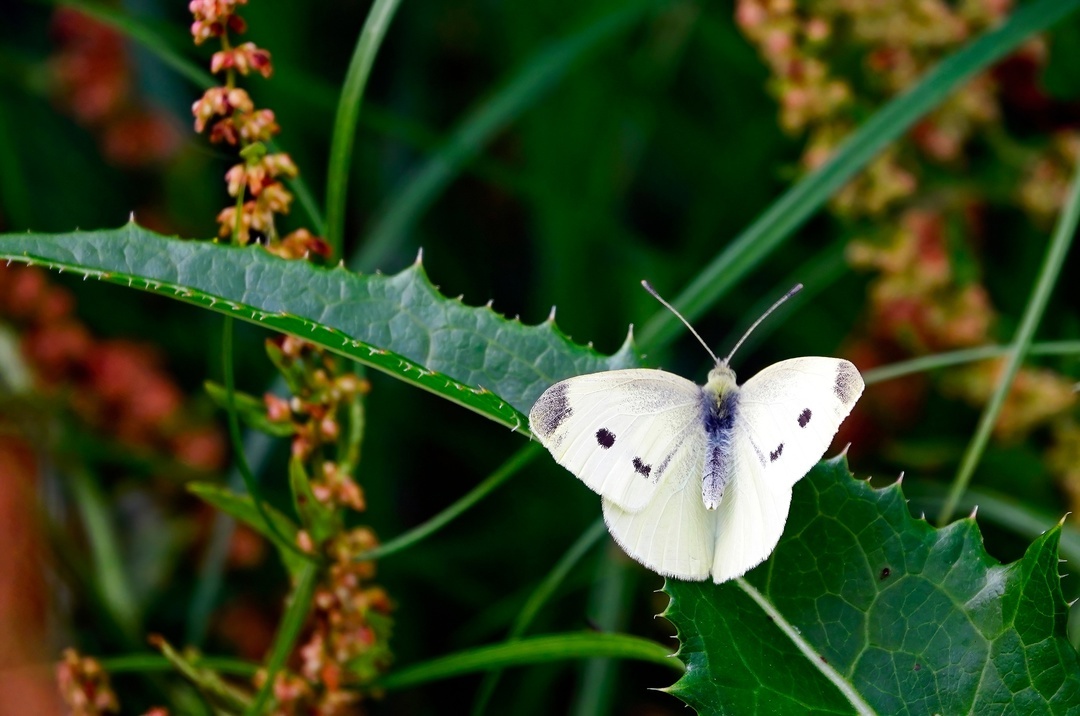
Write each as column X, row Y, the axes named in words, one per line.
column 678, row 315
column 794, row 289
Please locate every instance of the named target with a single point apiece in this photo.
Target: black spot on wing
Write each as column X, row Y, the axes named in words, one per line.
column 776, row 453
column 846, row 386
column 804, row 417
column 554, row 409
column 641, row 468
column 605, row 438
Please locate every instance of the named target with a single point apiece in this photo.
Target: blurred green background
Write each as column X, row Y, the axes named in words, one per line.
column 634, row 140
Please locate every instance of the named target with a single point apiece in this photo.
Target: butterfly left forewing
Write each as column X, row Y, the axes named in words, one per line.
column 790, row 412
column 618, row 430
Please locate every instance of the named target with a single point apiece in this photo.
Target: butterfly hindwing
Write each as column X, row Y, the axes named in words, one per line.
column 749, row 520
column 674, row 533
column 790, row 412
column 619, row 431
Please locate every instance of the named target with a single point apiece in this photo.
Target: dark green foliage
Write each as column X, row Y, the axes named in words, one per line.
column 907, row 618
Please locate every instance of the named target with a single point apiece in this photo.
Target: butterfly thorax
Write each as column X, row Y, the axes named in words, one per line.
column 719, row 405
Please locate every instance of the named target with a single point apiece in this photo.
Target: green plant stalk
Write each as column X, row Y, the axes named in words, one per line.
column 238, row 443
column 348, row 113
column 790, row 211
column 291, row 623
column 816, row 274
column 608, row 604
column 149, row 663
column 968, row 355
column 303, row 193
column 354, row 437
column 508, row 469
column 1048, row 274
column 257, row 448
column 539, row 597
column 534, row 650
column 207, row 681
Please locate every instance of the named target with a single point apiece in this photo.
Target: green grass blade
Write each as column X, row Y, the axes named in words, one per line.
column 523, row 90
column 556, row 576
column 1040, row 296
column 348, row 112
column 108, row 571
column 211, row 572
column 816, row 275
column 233, row 420
column 508, row 469
column 968, row 355
column 539, row 597
column 791, row 210
column 609, row 599
column 534, row 650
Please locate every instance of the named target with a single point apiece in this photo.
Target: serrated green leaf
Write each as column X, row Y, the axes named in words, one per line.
column 399, row 324
column 242, row 507
column 864, row 609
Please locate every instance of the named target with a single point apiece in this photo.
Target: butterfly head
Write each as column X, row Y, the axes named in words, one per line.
column 721, row 379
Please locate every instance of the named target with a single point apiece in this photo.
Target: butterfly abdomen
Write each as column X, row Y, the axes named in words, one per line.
column 719, row 410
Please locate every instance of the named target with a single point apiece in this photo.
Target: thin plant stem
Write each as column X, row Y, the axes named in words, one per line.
column 533, row 650
column 113, row 582
column 508, row 469
column 539, row 597
column 968, row 355
column 608, row 606
column 348, row 113
column 238, row 444
column 291, row 623
column 1051, row 269
column 521, row 91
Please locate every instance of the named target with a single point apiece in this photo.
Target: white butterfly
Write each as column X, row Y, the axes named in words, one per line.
column 697, row 480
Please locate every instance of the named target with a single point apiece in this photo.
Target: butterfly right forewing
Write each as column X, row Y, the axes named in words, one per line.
column 618, row 431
